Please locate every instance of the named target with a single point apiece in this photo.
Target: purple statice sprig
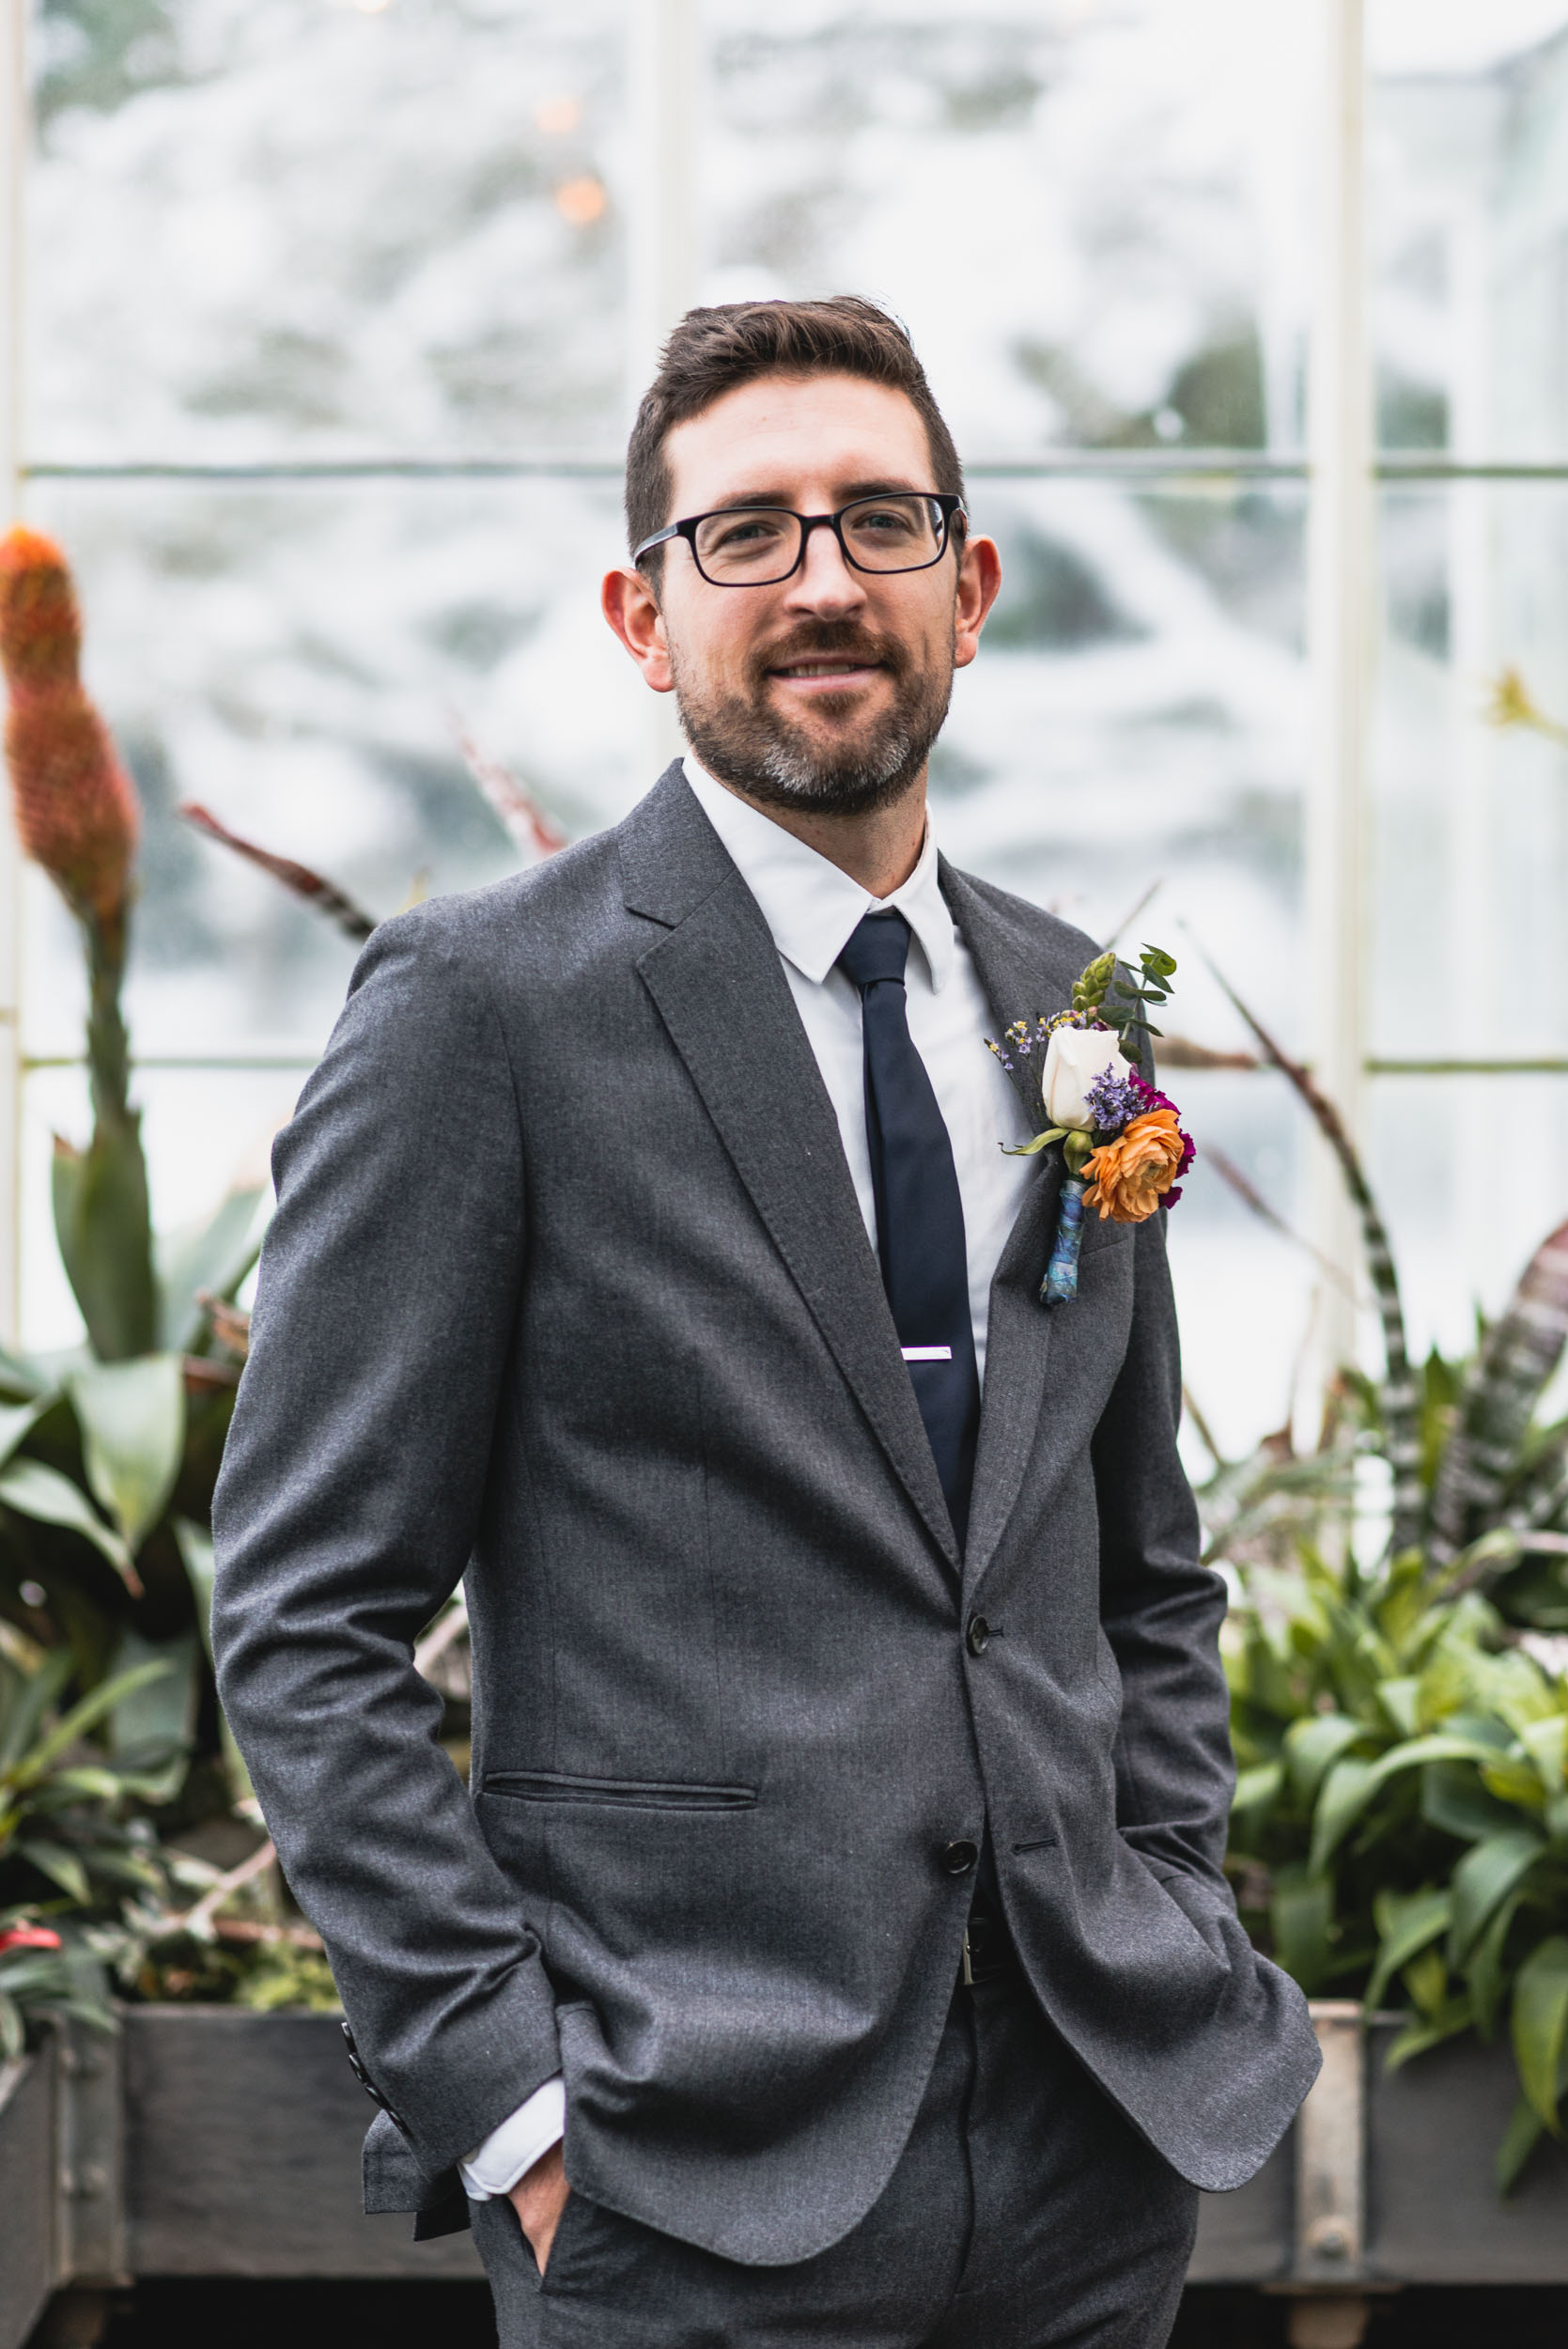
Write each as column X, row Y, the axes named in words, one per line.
column 1022, row 1054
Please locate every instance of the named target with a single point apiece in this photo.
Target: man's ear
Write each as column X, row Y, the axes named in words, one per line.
column 979, row 585
column 631, row 607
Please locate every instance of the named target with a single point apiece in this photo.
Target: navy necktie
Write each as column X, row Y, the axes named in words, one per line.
column 919, row 1214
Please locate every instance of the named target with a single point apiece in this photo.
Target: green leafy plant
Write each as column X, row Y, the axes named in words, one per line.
column 106, row 1454
column 75, row 1851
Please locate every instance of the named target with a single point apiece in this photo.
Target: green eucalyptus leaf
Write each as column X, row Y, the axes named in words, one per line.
column 1541, row 2026
column 1407, row 1922
column 1488, row 1872
column 132, row 1421
column 34, row 1489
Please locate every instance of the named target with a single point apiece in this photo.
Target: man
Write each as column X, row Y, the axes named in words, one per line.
column 841, row 1870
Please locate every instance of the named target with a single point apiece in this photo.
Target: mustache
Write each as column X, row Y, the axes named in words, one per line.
column 833, row 640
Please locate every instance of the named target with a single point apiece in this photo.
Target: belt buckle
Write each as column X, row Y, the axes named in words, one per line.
column 966, row 1966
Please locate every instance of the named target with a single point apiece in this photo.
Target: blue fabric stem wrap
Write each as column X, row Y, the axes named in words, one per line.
column 1060, row 1285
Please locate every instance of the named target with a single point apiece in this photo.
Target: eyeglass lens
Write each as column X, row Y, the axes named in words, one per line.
column 755, row 546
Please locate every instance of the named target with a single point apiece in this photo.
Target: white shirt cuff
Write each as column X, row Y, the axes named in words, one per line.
column 511, row 2151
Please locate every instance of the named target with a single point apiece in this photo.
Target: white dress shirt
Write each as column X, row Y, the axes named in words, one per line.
column 811, row 908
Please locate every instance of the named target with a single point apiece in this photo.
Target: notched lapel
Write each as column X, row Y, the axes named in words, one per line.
column 1028, row 1346
column 726, row 1003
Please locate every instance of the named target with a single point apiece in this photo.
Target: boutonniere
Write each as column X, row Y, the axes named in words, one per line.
column 1121, row 1141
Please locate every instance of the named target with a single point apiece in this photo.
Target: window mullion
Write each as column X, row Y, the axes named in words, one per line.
column 13, row 157
column 1340, row 615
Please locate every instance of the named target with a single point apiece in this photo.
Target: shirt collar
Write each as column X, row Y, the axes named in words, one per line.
column 810, row 906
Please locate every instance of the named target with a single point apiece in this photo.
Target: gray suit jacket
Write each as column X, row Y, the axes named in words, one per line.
column 568, row 1291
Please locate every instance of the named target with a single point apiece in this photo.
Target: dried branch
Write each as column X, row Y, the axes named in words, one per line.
column 526, row 824
column 313, row 887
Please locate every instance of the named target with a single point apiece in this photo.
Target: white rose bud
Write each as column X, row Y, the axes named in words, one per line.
column 1076, row 1058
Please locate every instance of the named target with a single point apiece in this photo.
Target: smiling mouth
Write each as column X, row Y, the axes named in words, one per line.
column 823, row 668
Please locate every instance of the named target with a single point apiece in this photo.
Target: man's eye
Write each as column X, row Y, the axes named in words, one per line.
column 748, row 530
column 886, row 521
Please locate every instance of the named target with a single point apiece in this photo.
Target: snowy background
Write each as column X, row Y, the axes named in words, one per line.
column 298, row 234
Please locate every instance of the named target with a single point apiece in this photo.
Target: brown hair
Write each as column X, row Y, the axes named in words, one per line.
column 713, row 352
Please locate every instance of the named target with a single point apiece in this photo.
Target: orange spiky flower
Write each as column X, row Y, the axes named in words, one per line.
column 76, row 807
column 77, row 814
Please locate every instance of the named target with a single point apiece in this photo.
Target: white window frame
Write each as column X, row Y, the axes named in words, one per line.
column 1341, row 471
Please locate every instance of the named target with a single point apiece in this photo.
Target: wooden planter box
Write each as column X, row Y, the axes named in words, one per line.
column 212, row 2141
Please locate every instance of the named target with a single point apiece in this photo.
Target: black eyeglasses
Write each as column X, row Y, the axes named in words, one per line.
column 757, row 546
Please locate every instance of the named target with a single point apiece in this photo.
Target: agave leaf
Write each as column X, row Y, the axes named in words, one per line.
column 36, row 1490
column 214, row 1254
column 1541, row 2026
column 1488, row 1872
column 105, row 1236
column 132, row 1421
column 1514, row 1363
column 1407, row 1922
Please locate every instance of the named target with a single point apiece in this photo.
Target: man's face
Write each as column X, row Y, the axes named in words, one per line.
column 828, row 689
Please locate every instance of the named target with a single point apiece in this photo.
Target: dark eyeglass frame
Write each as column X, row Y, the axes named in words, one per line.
column 945, row 501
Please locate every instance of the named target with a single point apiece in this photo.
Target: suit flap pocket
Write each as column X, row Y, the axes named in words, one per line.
column 637, row 1794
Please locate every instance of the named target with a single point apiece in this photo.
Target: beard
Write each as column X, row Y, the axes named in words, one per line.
column 773, row 759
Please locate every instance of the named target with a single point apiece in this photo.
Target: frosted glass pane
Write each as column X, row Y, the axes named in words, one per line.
column 301, row 661
column 1468, row 153
column 1471, row 829
column 321, row 227
column 1092, row 218
column 1137, row 720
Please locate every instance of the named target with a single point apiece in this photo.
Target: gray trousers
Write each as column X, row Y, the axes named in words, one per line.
column 1024, row 2213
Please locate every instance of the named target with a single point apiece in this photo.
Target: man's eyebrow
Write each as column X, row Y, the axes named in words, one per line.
column 884, row 486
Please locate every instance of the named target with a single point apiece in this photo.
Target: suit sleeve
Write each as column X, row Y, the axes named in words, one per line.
column 1160, row 1608
column 351, row 1494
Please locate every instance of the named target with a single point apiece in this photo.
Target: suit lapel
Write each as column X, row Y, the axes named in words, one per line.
column 717, row 981
column 1024, row 1353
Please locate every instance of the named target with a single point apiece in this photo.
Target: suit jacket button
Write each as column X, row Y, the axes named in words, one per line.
column 959, row 1858
column 978, row 1635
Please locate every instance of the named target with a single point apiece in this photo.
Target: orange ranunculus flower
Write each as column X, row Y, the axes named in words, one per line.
column 1130, row 1176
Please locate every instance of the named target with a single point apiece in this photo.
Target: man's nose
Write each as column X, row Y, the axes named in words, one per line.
column 824, row 582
